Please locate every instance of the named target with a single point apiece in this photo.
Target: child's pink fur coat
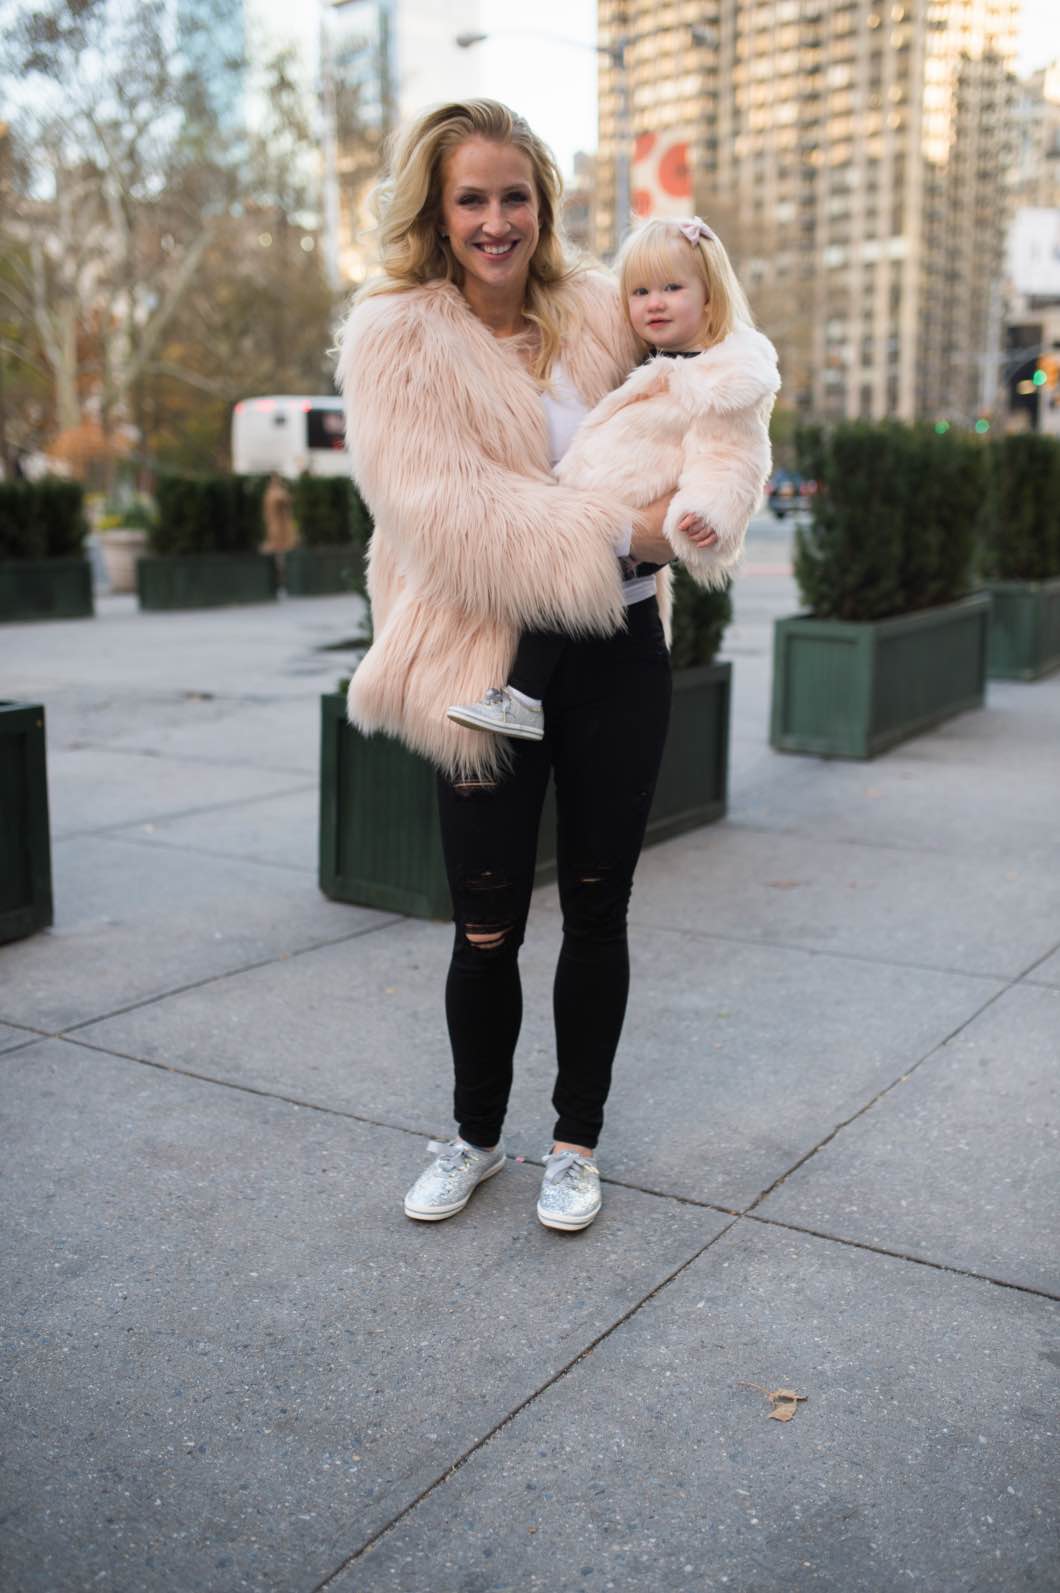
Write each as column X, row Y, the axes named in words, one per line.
column 473, row 539
column 698, row 425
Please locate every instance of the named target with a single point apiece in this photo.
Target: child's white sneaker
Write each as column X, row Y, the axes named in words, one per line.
column 500, row 711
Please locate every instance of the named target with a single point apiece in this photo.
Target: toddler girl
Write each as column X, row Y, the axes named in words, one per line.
column 693, row 419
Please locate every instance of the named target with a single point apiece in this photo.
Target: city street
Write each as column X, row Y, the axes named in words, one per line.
column 830, row 1168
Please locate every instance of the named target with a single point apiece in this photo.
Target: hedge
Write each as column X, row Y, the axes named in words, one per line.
column 208, row 514
column 1020, row 530
column 893, row 519
column 41, row 519
column 699, row 620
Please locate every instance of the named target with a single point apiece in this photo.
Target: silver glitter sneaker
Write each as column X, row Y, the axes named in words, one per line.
column 451, row 1179
column 498, row 710
column 570, row 1191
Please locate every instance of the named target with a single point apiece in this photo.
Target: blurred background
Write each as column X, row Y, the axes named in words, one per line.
column 185, row 197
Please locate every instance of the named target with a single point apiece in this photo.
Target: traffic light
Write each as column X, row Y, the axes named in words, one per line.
column 942, row 427
column 1047, row 372
column 982, row 425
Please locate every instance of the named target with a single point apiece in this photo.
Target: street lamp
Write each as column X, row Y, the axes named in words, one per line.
column 616, row 54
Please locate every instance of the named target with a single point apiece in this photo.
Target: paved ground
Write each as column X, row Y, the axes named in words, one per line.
column 231, row 1363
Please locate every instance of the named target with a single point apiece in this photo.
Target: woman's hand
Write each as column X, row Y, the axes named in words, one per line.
column 650, row 545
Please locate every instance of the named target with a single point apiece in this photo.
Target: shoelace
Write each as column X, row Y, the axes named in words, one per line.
column 495, row 694
column 559, row 1163
column 450, row 1155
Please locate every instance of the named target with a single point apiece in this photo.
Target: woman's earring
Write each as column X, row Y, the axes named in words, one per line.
column 443, row 235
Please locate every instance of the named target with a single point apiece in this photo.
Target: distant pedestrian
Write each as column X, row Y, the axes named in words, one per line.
column 466, row 368
column 276, row 506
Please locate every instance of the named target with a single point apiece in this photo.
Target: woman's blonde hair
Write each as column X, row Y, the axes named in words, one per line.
column 408, row 202
column 656, row 248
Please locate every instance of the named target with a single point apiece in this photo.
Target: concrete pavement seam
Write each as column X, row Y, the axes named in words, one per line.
column 517, row 1410
column 113, row 830
column 815, row 950
column 303, row 869
column 903, row 1255
column 1026, row 974
column 245, row 1089
column 886, row 1090
column 228, row 973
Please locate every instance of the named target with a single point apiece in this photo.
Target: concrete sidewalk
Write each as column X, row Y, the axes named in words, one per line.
column 231, row 1363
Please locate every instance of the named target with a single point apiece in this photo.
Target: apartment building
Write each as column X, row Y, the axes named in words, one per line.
column 852, row 154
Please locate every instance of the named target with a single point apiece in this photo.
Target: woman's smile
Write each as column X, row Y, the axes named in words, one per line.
column 489, row 216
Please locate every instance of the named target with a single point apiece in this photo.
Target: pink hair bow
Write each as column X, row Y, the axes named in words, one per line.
column 696, row 229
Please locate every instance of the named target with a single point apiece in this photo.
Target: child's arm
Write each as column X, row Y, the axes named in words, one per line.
column 727, row 461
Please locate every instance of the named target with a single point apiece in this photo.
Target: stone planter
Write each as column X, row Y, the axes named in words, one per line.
column 205, row 580
column 33, row 589
column 1024, row 629
column 25, row 841
column 319, row 572
column 122, row 550
column 851, row 689
column 379, row 838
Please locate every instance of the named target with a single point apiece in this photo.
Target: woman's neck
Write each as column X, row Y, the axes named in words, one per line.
column 502, row 312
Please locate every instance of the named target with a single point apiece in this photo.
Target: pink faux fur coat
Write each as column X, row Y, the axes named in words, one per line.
column 698, row 425
column 474, row 540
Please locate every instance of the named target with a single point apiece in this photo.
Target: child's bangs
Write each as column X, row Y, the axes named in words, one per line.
column 653, row 255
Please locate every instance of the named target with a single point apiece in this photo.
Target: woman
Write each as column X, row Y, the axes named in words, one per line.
column 466, row 368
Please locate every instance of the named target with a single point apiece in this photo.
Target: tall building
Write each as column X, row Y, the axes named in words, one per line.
column 1034, row 176
column 852, row 155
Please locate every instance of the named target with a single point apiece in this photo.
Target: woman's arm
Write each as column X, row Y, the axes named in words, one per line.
column 466, row 530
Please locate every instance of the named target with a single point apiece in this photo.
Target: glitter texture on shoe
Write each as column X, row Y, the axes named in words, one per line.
column 449, row 1182
column 570, row 1191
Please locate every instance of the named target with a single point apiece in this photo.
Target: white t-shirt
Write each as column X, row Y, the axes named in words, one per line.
column 565, row 409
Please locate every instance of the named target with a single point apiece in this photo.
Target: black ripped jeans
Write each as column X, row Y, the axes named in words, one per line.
column 606, row 712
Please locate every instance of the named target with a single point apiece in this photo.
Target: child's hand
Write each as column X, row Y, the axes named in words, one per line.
column 698, row 532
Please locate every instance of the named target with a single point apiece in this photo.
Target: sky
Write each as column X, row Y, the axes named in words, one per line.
column 553, row 83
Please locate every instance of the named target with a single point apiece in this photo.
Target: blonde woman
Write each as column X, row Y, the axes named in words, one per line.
column 466, row 366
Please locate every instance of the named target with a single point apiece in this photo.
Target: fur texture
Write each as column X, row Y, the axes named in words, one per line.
column 698, row 425
column 474, row 540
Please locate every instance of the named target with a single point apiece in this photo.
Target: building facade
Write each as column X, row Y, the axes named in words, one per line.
column 852, row 154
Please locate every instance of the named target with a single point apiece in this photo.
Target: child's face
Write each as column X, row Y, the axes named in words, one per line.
column 669, row 313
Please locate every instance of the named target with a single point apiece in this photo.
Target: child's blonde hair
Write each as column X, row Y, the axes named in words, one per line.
column 657, row 248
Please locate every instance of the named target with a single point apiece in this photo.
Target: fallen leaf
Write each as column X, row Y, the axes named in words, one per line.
column 785, row 1401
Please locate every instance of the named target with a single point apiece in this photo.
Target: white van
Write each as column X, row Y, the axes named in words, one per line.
column 289, row 434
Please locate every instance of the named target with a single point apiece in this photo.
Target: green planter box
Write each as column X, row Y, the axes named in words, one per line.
column 33, row 589
column 845, row 689
column 25, row 842
column 1024, row 629
column 318, row 572
column 205, row 580
column 379, row 838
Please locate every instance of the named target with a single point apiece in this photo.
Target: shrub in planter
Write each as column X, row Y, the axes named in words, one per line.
column 891, row 643
column 25, row 843
column 1019, row 555
column 204, row 544
column 334, row 526
column 379, row 840
column 43, row 571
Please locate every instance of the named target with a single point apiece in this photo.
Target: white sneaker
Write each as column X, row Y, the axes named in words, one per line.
column 570, row 1191
column 498, row 710
column 447, row 1185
